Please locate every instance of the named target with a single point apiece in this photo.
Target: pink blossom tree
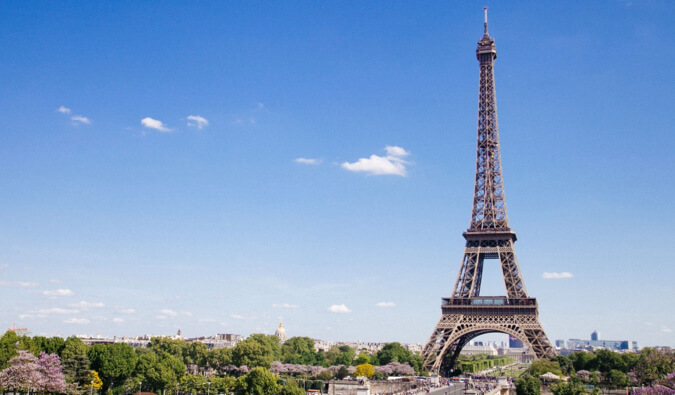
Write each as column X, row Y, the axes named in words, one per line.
column 51, row 373
column 22, row 374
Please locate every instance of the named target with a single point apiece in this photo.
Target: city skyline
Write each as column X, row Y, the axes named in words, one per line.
column 218, row 167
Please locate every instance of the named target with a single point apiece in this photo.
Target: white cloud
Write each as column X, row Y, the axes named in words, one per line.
column 339, row 308
column 241, row 317
column 55, row 281
column 173, row 313
column 118, row 320
column 58, row 292
column 307, row 161
column 125, row 311
column 64, row 110
column 285, row 306
column 87, row 305
column 57, row 310
column 391, row 164
column 385, row 304
column 80, row 119
column 665, row 329
column 27, row 284
column 154, row 124
column 4, row 283
column 554, row 275
column 169, row 312
column 198, row 121
column 76, row 321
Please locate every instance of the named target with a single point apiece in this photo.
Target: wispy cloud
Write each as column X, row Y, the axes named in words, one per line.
column 241, row 317
column 58, row 292
column 665, row 329
column 554, row 275
column 57, row 310
column 118, row 320
column 390, row 164
column 198, row 121
column 125, row 311
column 385, row 304
column 285, row 306
column 64, row 110
column 76, row 321
column 87, row 305
column 78, row 119
column 156, row 124
column 55, row 281
column 173, row 313
column 307, row 161
column 339, row 308
column 27, row 284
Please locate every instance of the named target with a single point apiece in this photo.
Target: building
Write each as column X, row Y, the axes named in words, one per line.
column 281, row 333
column 514, row 342
column 595, row 336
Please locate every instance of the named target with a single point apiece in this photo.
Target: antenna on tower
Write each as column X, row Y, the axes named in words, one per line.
column 485, row 10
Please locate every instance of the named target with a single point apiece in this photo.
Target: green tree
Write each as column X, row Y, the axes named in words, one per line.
column 291, row 388
column 113, row 362
column 48, row 345
column 362, row 358
column 76, row 370
column 393, row 352
column 528, row 385
column 175, row 347
column 617, row 378
column 72, row 347
column 583, row 360
column 196, row 353
column 270, row 342
column 218, row 358
column 565, row 363
column 159, row 371
column 252, row 354
column 572, row 387
column 8, row 349
column 299, row 350
column 259, row 381
column 542, row 366
column 365, row 370
column 342, row 373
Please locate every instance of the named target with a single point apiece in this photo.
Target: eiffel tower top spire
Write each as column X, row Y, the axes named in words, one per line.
column 489, row 207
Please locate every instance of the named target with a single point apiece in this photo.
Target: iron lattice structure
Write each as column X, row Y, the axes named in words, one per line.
column 466, row 314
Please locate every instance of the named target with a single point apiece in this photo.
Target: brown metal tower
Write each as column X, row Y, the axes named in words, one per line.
column 466, row 314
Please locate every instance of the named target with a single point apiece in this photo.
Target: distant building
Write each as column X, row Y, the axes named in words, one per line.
column 281, row 333
column 514, row 342
column 560, row 344
column 595, row 336
column 478, row 349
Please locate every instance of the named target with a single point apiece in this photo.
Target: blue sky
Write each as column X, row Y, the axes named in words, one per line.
column 218, row 166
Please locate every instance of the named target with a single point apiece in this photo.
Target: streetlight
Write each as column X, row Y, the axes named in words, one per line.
column 91, row 389
column 140, row 387
column 208, row 389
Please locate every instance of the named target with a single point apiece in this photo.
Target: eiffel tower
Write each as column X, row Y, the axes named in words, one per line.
column 466, row 314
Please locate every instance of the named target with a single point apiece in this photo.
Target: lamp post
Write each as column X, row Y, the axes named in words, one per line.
column 208, row 389
column 140, row 387
column 91, row 389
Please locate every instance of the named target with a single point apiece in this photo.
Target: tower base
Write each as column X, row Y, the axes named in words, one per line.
column 466, row 318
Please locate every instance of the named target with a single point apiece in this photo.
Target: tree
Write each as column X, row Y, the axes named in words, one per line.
column 76, row 370
column 72, row 347
column 252, row 353
column 617, row 378
column 196, row 353
column 342, row 373
column 270, row 342
column 8, row 343
column 291, row 388
column 113, row 362
column 218, row 358
column 542, row 366
column 565, row 363
column 94, row 381
column 362, row 358
column 21, row 373
column 259, row 381
column 528, row 385
column 364, row 370
column 51, row 373
column 573, row 387
column 298, row 350
column 393, row 352
column 159, row 371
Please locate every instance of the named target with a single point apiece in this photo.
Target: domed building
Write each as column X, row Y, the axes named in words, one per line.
column 281, row 333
